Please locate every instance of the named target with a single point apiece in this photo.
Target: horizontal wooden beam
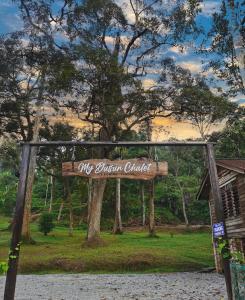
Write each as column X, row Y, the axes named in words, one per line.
column 114, row 144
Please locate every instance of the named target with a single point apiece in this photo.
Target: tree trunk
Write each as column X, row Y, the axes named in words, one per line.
column 46, row 194
column 184, row 211
column 60, row 211
column 90, row 190
column 69, row 201
column 142, row 196
column 52, row 183
column 71, row 219
column 117, row 229
column 26, row 234
column 95, row 210
column 152, row 210
column 183, row 202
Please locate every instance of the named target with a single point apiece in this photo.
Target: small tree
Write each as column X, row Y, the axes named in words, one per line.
column 46, row 223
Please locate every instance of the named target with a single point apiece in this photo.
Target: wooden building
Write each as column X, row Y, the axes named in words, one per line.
column 231, row 173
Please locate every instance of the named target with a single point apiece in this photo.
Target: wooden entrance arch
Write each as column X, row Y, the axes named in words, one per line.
column 20, row 199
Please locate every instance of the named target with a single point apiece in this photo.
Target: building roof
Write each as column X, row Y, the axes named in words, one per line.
column 237, row 165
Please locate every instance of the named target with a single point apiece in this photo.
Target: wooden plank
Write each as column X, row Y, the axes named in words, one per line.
column 143, row 169
column 235, row 221
column 237, row 230
column 237, row 235
column 114, row 144
column 17, row 226
column 226, row 177
column 219, row 212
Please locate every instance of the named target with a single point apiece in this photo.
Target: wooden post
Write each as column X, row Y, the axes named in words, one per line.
column 219, row 211
column 152, row 232
column 142, row 196
column 17, row 225
column 117, row 228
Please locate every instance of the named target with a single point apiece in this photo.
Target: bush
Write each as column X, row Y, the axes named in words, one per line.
column 46, row 223
column 107, row 224
column 3, row 268
column 8, row 188
column 168, row 217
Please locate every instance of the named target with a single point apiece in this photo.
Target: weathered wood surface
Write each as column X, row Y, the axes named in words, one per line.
column 114, row 144
column 219, row 212
column 17, row 225
column 143, row 169
column 235, row 225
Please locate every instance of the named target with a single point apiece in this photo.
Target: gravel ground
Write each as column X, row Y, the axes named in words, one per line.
column 172, row 286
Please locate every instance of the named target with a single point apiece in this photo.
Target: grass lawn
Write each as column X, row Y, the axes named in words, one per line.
column 129, row 252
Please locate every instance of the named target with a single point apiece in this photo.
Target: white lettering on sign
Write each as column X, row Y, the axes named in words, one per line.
column 129, row 167
column 85, row 167
column 104, row 168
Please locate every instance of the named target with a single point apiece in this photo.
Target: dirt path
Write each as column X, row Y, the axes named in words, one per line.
column 172, row 286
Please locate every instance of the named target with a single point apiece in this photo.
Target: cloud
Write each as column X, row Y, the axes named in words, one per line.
column 178, row 50
column 110, row 40
column 177, row 129
column 71, row 120
column 209, row 7
column 194, row 66
column 148, row 83
column 6, row 4
column 239, row 99
column 127, row 10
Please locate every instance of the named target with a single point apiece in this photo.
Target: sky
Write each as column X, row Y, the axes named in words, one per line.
column 11, row 21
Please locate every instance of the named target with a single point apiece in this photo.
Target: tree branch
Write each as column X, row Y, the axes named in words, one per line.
column 130, row 44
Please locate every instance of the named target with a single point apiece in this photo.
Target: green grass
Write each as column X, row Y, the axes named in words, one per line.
column 4, row 223
column 130, row 252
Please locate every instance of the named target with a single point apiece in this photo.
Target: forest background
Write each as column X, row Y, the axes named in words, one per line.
column 90, row 61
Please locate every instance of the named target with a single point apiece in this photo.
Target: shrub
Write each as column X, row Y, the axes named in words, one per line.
column 3, row 268
column 168, row 217
column 46, row 223
column 107, row 224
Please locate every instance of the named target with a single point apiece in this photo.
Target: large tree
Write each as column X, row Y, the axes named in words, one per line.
column 113, row 45
column 27, row 67
column 231, row 140
column 195, row 101
column 203, row 109
column 226, row 40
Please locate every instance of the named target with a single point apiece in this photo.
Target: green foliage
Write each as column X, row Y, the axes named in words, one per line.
column 203, row 108
column 167, row 216
column 224, row 250
column 131, row 252
column 3, row 268
column 231, row 141
column 198, row 212
column 238, row 256
column 107, row 224
column 224, row 35
column 168, row 195
column 46, row 223
column 8, row 188
column 9, row 155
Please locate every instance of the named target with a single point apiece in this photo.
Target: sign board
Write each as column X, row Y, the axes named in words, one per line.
column 218, row 230
column 144, row 169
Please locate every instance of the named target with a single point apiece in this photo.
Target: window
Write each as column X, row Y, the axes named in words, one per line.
column 230, row 199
